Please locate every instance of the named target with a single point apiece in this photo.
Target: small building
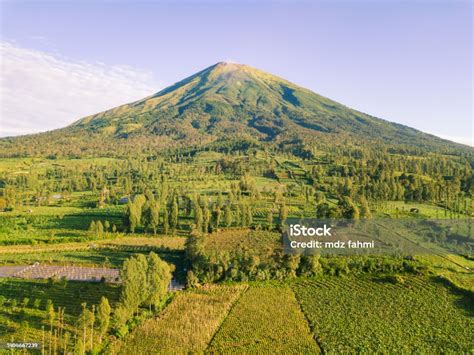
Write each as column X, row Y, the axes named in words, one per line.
column 123, row 200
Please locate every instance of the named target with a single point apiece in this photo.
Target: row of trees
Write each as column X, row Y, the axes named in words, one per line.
column 147, row 212
column 245, row 265
column 99, row 229
column 145, row 281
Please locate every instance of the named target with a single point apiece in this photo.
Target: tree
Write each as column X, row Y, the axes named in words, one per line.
column 269, row 220
column 283, row 215
column 198, row 217
column 227, row 216
column 158, row 279
column 348, row 209
column 103, row 316
column 243, row 216
column 323, row 210
column 174, row 214
column 103, row 197
column 106, row 225
column 206, row 217
column 139, row 201
column 310, row 265
column 133, row 275
column 93, row 228
column 217, row 216
column 154, row 216
column 249, row 218
column 364, row 208
column 100, row 228
column 238, row 216
column 166, row 223
column 85, row 321
column 133, row 216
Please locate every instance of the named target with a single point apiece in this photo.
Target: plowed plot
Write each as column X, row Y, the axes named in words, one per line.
column 71, row 273
column 364, row 315
column 186, row 325
column 265, row 319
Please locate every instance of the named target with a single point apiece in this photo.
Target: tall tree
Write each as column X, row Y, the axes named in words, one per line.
column 174, row 214
column 158, row 280
column 227, row 216
column 283, row 215
column 103, row 317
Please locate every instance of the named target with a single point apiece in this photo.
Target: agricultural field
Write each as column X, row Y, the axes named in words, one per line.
column 453, row 267
column 104, row 253
column 308, row 315
column 395, row 314
column 55, row 224
column 242, row 239
column 401, row 209
column 186, row 325
column 265, row 317
column 210, row 221
column 24, row 308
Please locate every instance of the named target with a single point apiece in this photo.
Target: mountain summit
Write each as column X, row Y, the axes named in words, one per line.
column 228, row 102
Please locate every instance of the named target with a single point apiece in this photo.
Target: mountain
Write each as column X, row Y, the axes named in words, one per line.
column 229, row 101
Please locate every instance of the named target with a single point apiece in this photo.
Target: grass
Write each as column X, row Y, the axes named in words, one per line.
column 186, row 325
column 402, row 209
column 265, row 318
column 115, row 240
column 376, row 315
column 454, row 267
column 235, row 239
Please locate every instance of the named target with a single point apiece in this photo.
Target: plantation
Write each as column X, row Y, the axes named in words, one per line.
column 184, row 198
column 387, row 314
column 29, row 309
column 186, row 325
column 265, row 317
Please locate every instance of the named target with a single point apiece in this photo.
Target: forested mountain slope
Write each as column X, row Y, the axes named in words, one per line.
column 225, row 103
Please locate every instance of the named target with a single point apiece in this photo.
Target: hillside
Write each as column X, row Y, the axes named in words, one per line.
column 226, row 102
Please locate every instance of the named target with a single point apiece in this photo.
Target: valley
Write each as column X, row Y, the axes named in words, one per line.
column 192, row 187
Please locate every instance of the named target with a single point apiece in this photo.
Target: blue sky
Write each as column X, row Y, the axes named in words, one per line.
column 404, row 61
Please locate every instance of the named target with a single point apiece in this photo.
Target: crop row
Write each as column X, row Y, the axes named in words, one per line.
column 265, row 318
column 385, row 315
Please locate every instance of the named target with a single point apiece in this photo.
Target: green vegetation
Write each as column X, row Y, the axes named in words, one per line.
column 217, row 105
column 145, row 283
column 387, row 314
column 47, row 311
column 265, row 318
column 186, row 325
column 193, row 185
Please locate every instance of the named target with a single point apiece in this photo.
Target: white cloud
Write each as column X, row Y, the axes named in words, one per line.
column 41, row 91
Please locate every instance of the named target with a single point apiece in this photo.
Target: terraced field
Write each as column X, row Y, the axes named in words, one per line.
column 376, row 315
